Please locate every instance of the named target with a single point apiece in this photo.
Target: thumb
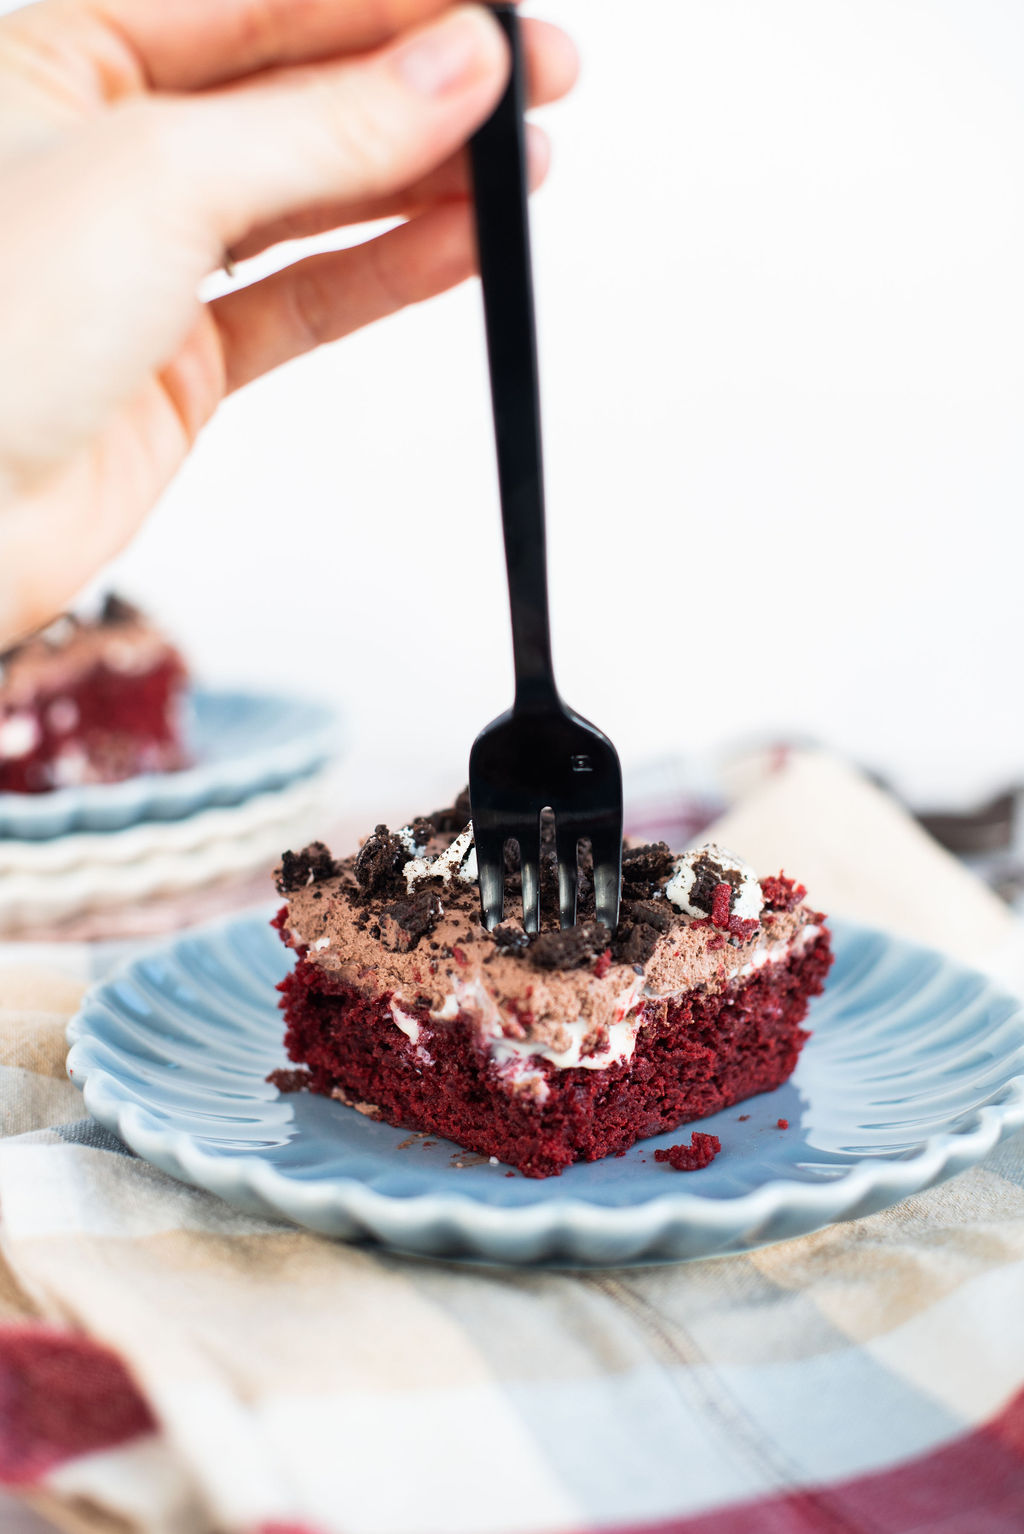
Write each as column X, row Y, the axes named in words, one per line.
column 358, row 129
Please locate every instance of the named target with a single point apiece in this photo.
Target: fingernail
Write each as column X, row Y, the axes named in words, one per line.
column 449, row 54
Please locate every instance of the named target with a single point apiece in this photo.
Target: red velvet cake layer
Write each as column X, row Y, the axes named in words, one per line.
column 123, row 725
column 695, row 1054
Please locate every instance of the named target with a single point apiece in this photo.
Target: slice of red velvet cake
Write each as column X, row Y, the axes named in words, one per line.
column 541, row 1051
column 90, row 702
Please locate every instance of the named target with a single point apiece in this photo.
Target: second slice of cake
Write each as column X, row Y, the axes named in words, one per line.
column 91, row 702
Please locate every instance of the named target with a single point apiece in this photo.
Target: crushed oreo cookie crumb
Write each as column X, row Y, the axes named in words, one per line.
column 380, row 858
column 116, row 610
column 404, row 923
column 309, row 866
column 652, row 913
column 510, row 939
column 634, row 943
column 423, row 830
column 455, row 816
column 645, row 869
column 571, row 948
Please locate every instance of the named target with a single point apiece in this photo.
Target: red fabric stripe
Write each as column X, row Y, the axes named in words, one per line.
column 61, row 1395
column 974, row 1485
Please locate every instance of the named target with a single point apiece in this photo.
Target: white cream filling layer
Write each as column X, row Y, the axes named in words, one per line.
column 411, row 1028
column 519, row 1056
column 774, row 953
column 621, row 1044
column 404, row 1020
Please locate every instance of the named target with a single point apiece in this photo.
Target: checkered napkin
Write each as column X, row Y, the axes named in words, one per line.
column 170, row 1365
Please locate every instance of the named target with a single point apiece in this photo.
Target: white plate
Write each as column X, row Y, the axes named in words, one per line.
column 46, row 882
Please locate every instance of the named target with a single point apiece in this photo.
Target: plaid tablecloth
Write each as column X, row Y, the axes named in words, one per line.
column 167, row 1364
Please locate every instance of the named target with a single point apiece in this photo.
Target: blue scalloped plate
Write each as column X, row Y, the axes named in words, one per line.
column 241, row 743
column 914, row 1071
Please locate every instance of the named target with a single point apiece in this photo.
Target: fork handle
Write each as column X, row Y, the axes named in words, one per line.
column 501, row 189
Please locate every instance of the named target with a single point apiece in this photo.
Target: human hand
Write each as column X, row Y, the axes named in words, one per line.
column 139, row 143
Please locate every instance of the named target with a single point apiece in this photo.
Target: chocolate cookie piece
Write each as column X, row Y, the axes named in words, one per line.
column 634, row 942
column 404, row 923
column 380, row 858
column 116, row 610
column 423, row 830
column 309, row 866
column 644, row 869
column 455, row 817
column 510, row 939
column 653, row 913
column 571, row 948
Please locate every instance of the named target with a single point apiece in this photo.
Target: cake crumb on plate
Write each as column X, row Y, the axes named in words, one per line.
column 700, row 1152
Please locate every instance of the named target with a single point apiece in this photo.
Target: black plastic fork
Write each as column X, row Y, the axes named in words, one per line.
column 540, row 755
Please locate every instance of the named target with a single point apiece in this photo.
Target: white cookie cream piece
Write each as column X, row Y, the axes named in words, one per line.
column 407, row 836
column 19, row 736
column 457, row 862
column 747, row 901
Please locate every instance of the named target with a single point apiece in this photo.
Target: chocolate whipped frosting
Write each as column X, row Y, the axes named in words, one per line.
column 122, row 639
column 456, row 965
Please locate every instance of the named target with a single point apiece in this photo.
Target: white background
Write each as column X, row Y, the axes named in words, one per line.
column 780, row 263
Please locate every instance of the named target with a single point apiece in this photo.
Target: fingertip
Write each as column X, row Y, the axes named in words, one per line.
column 458, row 51
column 554, row 61
column 538, row 152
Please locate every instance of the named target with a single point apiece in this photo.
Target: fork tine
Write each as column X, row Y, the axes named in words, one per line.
column 567, row 847
column 606, row 842
column 490, row 857
column 529, row 865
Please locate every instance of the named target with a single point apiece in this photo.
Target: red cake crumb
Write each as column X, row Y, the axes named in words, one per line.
column 700, row 1152
column 741, row 929
column 720, row 906
column 736, row 926
column 782, row 894
column 289, row 1081
column 604, row 964
column 782, row 1124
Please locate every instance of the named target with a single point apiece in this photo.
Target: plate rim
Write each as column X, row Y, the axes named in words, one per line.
column 98, row 808
column 387, row 1217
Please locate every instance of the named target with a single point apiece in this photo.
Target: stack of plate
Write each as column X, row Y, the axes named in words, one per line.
column 117, row 854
